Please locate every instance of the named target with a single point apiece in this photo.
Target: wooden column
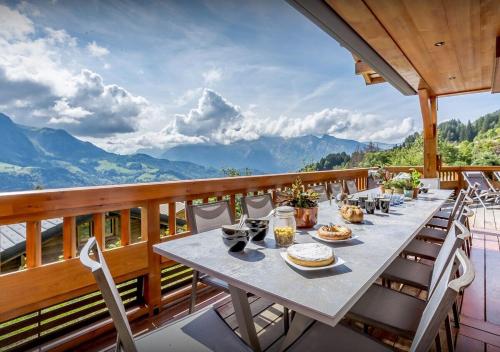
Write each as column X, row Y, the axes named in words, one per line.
column 125, row 227
column 33, row 244
column 428, row 107
column 99, row 229
column 150, row 227
column 172, row 224
column 69, row 237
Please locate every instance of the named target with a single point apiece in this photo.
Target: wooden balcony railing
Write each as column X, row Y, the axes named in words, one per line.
column 46, row 300
column 450, row 176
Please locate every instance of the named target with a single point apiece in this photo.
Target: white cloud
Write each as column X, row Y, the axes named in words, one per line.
column 14, row 25
column 96, row 50
column 212, row 76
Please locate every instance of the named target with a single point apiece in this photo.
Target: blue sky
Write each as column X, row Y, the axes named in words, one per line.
column 133, row 75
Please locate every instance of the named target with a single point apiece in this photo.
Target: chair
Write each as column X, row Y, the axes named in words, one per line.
column 497, row 175
column 335, row 189
column 445, row 223
column 321, row 190
column 351, row 186
column 485, row 192
column 201, row 218
column 446, row 214
column 203, row 331
column 425, row 325
column 422, row 276
column 257, row 206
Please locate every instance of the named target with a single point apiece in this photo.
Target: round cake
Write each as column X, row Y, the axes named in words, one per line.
column 334, row 232
column 310, row 254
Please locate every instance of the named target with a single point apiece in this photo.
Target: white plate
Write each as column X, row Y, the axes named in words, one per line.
column 338, row 261
column 316, row 236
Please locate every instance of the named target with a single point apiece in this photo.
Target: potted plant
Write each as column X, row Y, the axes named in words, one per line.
column 382, row 176
column 415, row 180
column 387, row 187
column 305, row 203
column 408, row 188
column 398, row 185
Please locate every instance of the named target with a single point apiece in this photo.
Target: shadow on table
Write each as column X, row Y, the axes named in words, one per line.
column 249, row 255
column 318, row 274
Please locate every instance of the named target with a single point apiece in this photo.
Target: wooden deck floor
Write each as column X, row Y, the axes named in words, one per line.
column 480, row 319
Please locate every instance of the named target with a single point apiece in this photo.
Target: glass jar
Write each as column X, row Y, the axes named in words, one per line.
column 284, row 226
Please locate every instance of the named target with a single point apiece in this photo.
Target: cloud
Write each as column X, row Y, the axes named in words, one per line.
column 34, row 68
column 14, row 24
column 96, row 50
column 212, row 76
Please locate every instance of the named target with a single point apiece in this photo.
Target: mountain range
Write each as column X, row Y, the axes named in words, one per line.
column 52, row 158
column 266, row 154
column 33, row 157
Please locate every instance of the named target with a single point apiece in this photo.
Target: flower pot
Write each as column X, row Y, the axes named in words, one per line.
column 306, row 217
column 397, row 190
column 415, row 192
column 408, row 193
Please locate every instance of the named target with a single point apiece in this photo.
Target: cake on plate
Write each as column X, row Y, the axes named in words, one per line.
column 352, row 213
column 310, row 254
column 334, row 232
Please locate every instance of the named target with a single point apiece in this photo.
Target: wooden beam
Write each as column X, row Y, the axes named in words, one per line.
column 428, row 108
column 361, row 67
column 125, row 230
column 33, row 244
column 495, row 84
column 99, row 229
column 69, row 237
column 150, row 224
column 172, row 224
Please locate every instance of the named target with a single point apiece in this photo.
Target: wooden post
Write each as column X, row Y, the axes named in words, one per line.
column 125, row 231
column 428, row 107
column 99, row 229
column 150, row 227
column 69, row 237
column 33, row 244
column 172, row 223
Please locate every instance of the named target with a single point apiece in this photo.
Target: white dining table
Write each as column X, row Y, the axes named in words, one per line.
column 323, row 295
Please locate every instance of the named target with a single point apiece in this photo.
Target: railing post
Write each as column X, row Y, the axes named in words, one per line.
column 172, row 223
column 125, row 230
column 69, row 237
column 33, row 244
column 99, row 229
column 150, row 227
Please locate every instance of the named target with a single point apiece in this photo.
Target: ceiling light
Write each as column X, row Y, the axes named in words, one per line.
column 451, row 78
column 438, row 43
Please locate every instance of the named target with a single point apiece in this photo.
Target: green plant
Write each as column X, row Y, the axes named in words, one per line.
column 415, row 178
column 298, row 198
column 399, row 183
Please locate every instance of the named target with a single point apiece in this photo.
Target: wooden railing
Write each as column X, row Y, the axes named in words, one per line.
column 450, row 176
column 47, row 285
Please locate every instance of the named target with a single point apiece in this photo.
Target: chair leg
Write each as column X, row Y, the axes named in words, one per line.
column 438, row 343
column 449, row 335
column 192, row 303
column 286, row 319
column 456, row 316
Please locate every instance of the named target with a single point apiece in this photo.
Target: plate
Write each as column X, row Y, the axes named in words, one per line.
column 338, row 261
column 316, row 236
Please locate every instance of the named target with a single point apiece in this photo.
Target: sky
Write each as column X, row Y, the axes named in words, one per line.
column 135, row 75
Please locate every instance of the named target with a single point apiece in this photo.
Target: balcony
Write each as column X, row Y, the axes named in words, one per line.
column 64, row 310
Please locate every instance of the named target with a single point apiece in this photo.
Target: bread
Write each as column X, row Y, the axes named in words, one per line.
column 352, row 213
column 310, row 254
column 334, row 232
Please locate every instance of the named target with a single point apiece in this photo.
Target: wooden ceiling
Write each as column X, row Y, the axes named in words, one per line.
column 407, row 34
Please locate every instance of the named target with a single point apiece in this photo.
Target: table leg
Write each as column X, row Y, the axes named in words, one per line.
column 244, row 317
column 299, row 325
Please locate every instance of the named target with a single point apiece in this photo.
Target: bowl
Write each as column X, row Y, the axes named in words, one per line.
column 234, row 231
column 257, row 223
column 235, row 243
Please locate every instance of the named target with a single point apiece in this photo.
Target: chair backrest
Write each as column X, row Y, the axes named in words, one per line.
column 109, row 292
column 454, row 239
column 457, row 209
column 335, row 189
column 351, row 186
column 206, row 217
column 497, row 175
column 257, row 206
column 478, row 177
column 441, row 301
column 321, row 190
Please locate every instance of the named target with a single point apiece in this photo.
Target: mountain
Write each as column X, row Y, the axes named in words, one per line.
column 51, row 158
column 267, row 154
column 456, row 131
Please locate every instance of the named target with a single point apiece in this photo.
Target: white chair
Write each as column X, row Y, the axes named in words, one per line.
column 484, row 190
column 258, row 206
column 203, row 331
